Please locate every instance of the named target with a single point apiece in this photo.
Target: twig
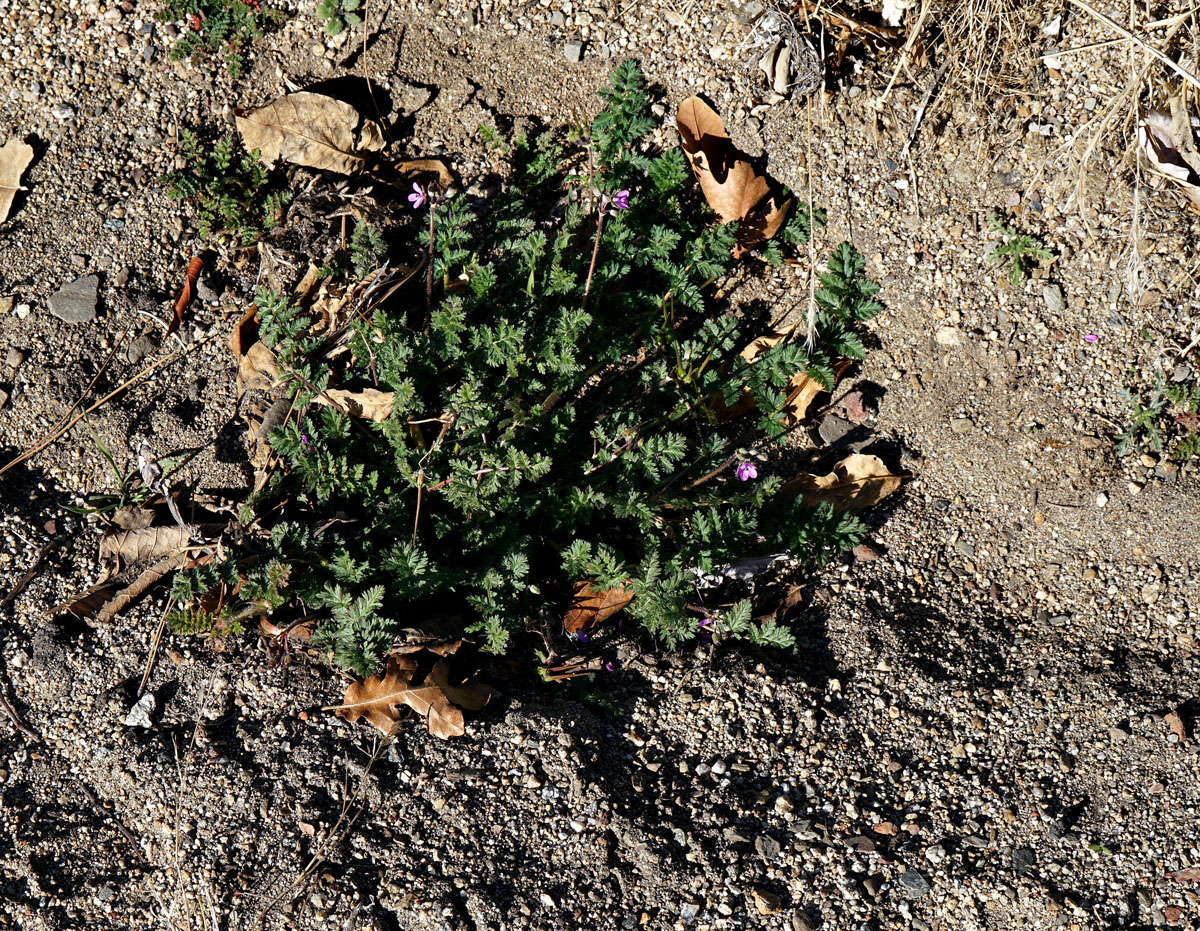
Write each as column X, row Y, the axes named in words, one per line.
column 913, row 33
column 155, row 643
column 59, row 431
column 337, row 834
column 15, row 717
column 124, row 831
column 28, row 576
column 1145, row 46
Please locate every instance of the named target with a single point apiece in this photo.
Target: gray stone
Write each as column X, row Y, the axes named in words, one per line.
column 767, row 846
column 1022, row 859
column 141, row 347
column 13, row 358
column 76, row 302
column 913, row 884
column 205, row 291
column 573, row 51
column 962, row 425
column 834, row 428
column 1056, row 303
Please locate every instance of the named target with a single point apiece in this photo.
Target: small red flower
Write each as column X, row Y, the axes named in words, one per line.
column 196, row 22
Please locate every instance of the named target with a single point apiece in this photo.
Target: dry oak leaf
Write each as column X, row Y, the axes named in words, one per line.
column 369, row 404
column 802, row 389
column 590, row 606
column 311, row 130
column 403, row 173
column 857, row 482
column 126, row 547
column 730, row 183
column 257, row 369
column 380, row 699
column 1191, row 874
column 15, row 157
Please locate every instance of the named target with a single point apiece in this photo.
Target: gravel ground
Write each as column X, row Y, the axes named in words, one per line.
column 991, row 722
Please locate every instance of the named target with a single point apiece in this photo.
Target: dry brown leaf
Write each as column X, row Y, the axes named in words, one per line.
column 1167, row 143
column 886, row 828
column 245, row 334
column 1177, row 726
column 185, row 294
column 404, row 173
column 857, row 482
column 590, row 607
column 15, row 157
column 86, row 605
column 126, row 547
column 257, row 369
column 1191, row 874
column 139, row 586
column 380, row 699
column 369, row 404
column 803, row 390
column 311, row 130
column 131, row 518
column 730, row 183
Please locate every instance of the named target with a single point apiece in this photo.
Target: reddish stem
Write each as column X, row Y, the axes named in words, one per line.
column 595, row 252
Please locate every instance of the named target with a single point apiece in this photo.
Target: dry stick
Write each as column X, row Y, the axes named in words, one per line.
column 912, row 39
column 155, row 643
column 55, row 432
column 338, row 833
column 15, row 717
column 1117, row 27
column 28, row 576
column 124, row 831
column 1109, row 112
column 59, row 432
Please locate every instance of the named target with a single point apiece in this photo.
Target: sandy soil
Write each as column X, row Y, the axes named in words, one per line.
column 991, row 721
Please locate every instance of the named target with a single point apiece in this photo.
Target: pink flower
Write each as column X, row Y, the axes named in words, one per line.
column 608, row 667
column 1090, row 338
column 417, row 197
column 620, row 200
column 746, row 471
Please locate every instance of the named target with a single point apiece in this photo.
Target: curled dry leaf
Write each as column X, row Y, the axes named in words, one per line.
column 427, row 171
column 311, row 130
column 139, row 586
column 15, row 157
column 591, row 606
column 857, row 482
column 1191, row 874
column 1167, row 143
column 369, row 404
column 185, row 294
column 730, row 183
column 381, row 699
column 802, row 388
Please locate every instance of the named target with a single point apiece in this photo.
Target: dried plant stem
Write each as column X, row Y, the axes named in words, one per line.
column 60, row 430
column 595, row 252
column 1141, row 43
column 429, row 273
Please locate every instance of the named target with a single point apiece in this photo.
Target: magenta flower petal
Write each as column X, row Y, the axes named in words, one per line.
column 746, row 471
column 1090, row 338
column 620, row 200
column 417, row 197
